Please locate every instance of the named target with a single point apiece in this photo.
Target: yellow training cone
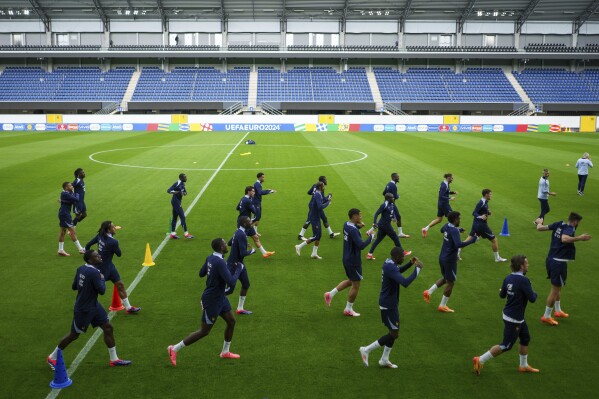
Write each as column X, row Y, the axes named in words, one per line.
column 148, row 261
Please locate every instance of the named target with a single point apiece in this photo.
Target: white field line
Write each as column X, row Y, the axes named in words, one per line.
column 90, row 343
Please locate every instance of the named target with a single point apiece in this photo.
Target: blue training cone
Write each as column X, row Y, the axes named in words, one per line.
column 61, row 378
column 504, row 231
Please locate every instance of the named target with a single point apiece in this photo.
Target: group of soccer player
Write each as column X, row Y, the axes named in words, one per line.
column 222, row 275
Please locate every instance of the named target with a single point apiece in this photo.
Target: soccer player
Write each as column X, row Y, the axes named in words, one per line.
column 177, row 190
column 480, row 227
column 259, row 192
column 561, row 251
column 543, row 196
column 389, row 213
column 448, row 260
column 246, row 208
column 352, row 261
column 443, row 207
column 583, row 165
column 239, row 250
column 89, row 283
column 391, row 187
column 389, row 303
column 67, row 200
column 323, row 217
column 316, row 210
column 214, row 301
column 79, row 187
column 108, row 246
column 518, row 290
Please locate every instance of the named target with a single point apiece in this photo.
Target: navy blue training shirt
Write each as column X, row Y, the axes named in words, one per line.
column 177, row 186
column 451, row 243
column 108, row 246
column 559, row 249
column 391, row 187
column 518, row 290
column 219, row 277
column 388, row 212
column 391, row 280
column 88, row 285
column 353, row 244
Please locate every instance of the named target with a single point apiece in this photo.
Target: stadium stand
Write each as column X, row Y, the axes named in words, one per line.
column 341, row 48
column 158, row 47
column 443, row 85
column 478, row 49
column 560, row 48
column 64, row 84
column 313, row 84
column 35, row 47
column 193, row 84
column 255, row 47
column 555, row 85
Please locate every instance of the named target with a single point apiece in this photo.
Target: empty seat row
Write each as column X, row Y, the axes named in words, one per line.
column 501, row 49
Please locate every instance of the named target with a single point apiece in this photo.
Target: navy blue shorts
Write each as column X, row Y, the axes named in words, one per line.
column 390, row 318
column 96, row 317
column 316, row 229
column 443, row 210
column 481, row 230
column 353, row 273
column 65, row 221
column 258, row 214
column 513, row 331
column 449, row 270
column 557, row 271
column 80, row 207
column 323, row 217
column 110, row 273
column 250, row 232
column 210, row 310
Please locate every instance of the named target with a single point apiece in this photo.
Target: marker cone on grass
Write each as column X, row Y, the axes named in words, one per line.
column 148, row 261
column 116, row 301
column 61, row 377
column 504, row 231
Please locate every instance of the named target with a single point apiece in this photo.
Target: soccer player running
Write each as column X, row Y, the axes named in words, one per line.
column 108, row 246
column 214, row 301
column 561, row 251
column 259, row 192
column 352, row 261
column 239, row 250
column 323, row 217
column 89, row 283
column 389, row 303
column 79, row 187
column 543, row 196
column 448, row 260
column 391, row 187
column 583, row 165
column 480, row 226
column 178, row 190
column 443, row 207
column 246, row 208
column 68, row 199
column 518, row 290
column 317, row 206
column 389, row 213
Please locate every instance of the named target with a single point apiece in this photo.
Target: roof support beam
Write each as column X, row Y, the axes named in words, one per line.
column 465, row 14
column 404, row 15
column 162, row 15
column 223, row 16
column 586, row 14
column 344, row 15
column 102, row 14
column 525, row 14
column 41, row 13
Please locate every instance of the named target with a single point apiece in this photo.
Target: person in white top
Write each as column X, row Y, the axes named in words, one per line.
column 583, row 165
column 543, row 196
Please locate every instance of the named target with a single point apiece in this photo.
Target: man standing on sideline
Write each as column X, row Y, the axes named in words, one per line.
column 246, row 208
column 317, row 206
column 323, row 217
column 480, row 226
column 543, row 196
column 214, row 301
column 561, row 251
column 389, row 213
column 391, row 187
column 177, row 190
column 108, row 246
column 352, row 261
column 68, row 199
column 583, row 165
column 259, row 192
column 89, row 283
column 443, row 207
column 389, row 304
column 448, row 260
column 239, row 250
column 79, row 188
column 518, row 290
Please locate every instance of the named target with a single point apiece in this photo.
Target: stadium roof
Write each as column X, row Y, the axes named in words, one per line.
column 459, row 10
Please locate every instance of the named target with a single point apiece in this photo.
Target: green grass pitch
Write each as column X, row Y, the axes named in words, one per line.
column 293, row 346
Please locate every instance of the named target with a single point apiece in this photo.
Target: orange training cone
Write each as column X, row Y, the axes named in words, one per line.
column 116, row 301
column 148, row 261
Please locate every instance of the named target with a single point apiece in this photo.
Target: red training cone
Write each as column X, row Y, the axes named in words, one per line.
column 116, row 301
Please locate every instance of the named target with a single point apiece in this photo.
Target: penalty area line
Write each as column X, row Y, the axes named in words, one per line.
column 90, row 343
